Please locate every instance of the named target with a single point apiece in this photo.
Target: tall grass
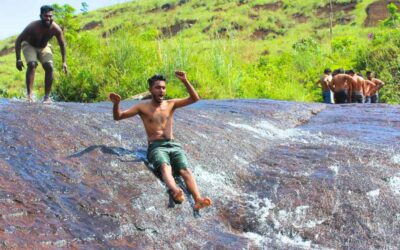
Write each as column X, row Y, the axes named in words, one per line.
column 124, row 62
column 218, row 52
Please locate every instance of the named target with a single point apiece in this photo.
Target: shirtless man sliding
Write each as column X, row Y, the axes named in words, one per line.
column 374, row 97
column 166, row 155
column 341, row 85
column 358, row 91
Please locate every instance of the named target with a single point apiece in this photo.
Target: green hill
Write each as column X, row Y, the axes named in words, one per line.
column 230, row 48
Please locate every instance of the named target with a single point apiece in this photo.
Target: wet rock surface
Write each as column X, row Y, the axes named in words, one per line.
column 281, row 174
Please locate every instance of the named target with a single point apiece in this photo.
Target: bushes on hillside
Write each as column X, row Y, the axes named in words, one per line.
column 393, row 21
column 382, row 55
column 99, row 66
column 124, row 62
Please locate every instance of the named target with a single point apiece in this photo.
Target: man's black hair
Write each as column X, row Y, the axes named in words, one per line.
column 45, row 9
column 338, row 71
column 350, row 71
column 155, row 78
column 369, row 72
column 327, row 71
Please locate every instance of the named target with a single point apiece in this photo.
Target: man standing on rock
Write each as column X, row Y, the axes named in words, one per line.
column 324, row 82
column 369, row 88
column 166, row 155
column 358, row 91
column 34, row 41
column 341, row 85
column 374, row 97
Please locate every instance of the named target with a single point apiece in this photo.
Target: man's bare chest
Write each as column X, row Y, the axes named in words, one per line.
column 40, row 38
column 158, row 116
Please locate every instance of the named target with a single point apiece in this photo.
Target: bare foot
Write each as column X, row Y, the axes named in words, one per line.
column 29, row 99
column 47, row 100
column 178, row 196
column 202, row 203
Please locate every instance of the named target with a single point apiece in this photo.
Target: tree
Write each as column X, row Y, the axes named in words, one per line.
column 84, row 7
column 330, row 20
column 393, row 20
column 64, row 16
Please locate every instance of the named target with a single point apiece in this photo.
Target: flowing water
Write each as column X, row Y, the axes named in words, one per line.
column 281, row 174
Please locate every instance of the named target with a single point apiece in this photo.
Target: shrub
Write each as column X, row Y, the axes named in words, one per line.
column 382, row 57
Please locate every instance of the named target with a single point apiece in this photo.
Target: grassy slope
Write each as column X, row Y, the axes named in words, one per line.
column 215, row 15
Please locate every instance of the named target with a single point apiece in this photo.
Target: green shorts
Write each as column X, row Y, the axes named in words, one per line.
column 167, row 151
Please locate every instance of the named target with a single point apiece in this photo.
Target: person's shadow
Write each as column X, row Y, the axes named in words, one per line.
column 140, row 155
column 137, row 155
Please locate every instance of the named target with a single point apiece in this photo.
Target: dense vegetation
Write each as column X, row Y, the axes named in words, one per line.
column 229, row 48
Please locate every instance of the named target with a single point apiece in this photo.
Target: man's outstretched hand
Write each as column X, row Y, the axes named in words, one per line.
column 115, row 98
column 19, row 65
column 181, row 75
column 65, row 68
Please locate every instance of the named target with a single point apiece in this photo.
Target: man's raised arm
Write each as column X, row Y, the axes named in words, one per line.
column 117, row 113
column 193, row 96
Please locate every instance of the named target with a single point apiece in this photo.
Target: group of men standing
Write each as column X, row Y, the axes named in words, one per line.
column 342, row 86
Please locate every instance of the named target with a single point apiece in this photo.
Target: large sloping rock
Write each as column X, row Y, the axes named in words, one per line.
column 282, row 175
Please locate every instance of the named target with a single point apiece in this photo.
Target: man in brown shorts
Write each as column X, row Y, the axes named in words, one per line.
column 369, row 88
column 374, row 96
column 166, row 155
column 34, row 41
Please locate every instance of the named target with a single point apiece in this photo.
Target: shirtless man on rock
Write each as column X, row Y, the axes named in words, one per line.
column 164, row 152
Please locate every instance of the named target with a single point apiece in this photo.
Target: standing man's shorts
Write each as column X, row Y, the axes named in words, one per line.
column 357, row 97
column 167, row 152
column 326, row 95
column 33, row 54
column 341, row 97
column 374, row 98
